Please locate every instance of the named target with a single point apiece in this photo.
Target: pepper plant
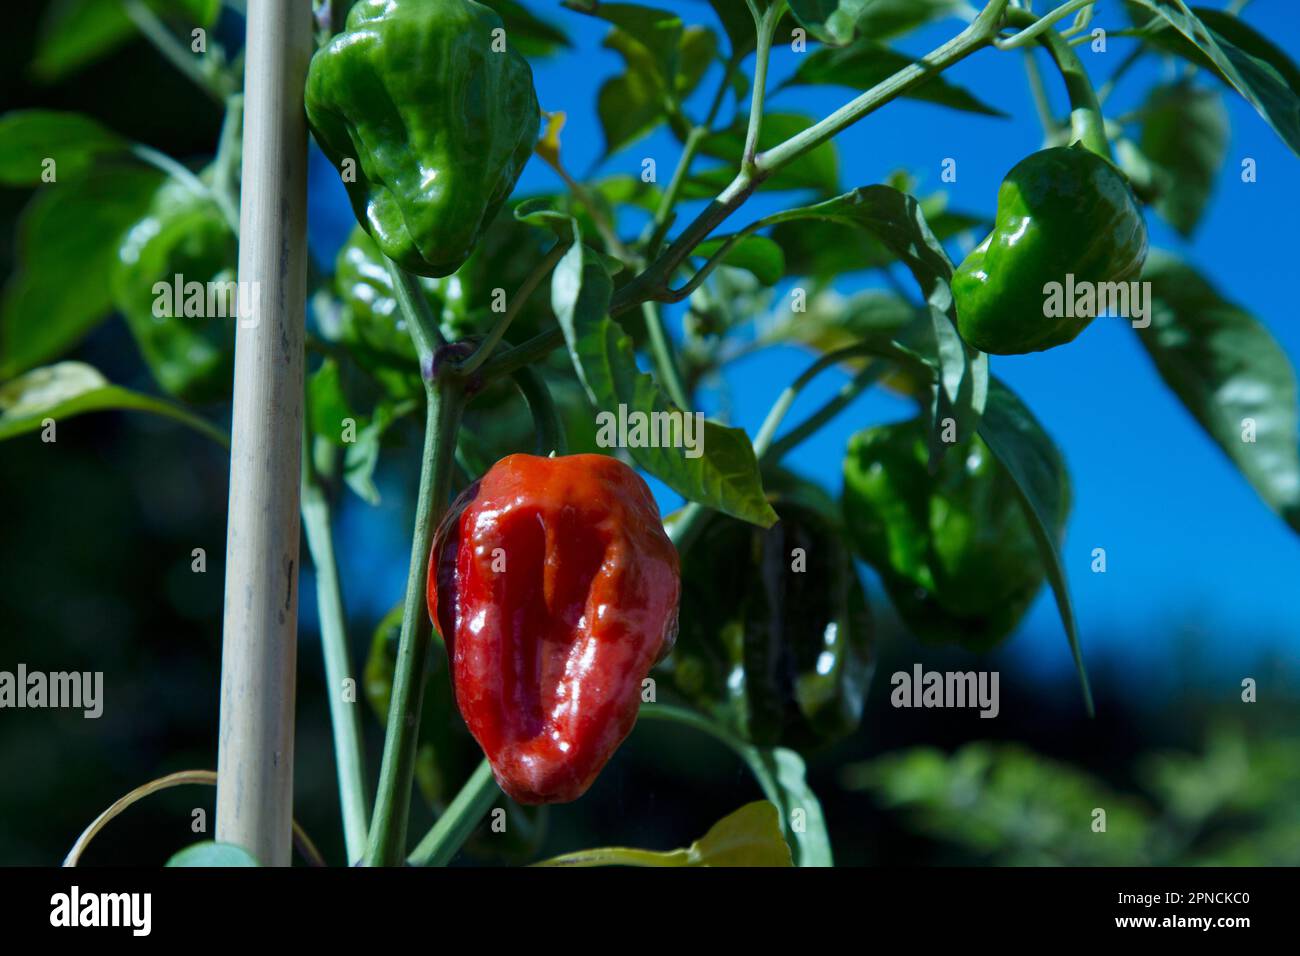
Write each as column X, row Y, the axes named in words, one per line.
column 461, row 302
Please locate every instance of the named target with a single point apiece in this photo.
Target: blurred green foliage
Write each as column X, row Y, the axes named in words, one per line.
column 1232, row 804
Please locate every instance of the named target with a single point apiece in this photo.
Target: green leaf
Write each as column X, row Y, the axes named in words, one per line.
column 209, row 853
column 830, row 21
column 801, row 811
column 190, row 351
column 779, row 772
column 1226, row 368
column 865, row 63
column 629, row 107
column 749, row 837
column 1185, row 134
column 738, row 23
column 657, row 32
column 817, row 169
column 67, row 247
column 725, row 476
column 74, row 388
column 72, row 140
column 898, row 222
column 1008, row 805
column 757, row 255
column 335, row 392
column 698, row 51
column 75, row 33
column 1238, row 55
column 883, row 19
column 532, row 36
column 892, row 217
column 663, row 63
column 837, row 22
column 1036, row 467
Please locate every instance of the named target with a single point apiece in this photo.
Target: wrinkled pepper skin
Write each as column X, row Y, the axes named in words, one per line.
column 182, row 233
column 1061, row 210
column 555, row 589
column 954, row 551
column 440, row 124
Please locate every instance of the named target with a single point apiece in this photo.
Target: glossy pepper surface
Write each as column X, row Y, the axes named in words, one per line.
column 1061, row 211
column 776, row 638
column 555, row 589
column 955, row 551
column 189, row 351
column 438, row 117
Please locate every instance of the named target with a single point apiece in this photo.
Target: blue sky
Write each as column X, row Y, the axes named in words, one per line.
column 1191, row 548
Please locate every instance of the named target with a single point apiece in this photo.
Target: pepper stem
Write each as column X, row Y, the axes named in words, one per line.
column 1087, row 125
column 393, row 801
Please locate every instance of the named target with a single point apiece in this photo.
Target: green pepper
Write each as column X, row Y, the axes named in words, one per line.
column 775, row 632
column 189, row 352
column 370, row 323
column 1062, row 211
column 954, row 551
column 439, row 115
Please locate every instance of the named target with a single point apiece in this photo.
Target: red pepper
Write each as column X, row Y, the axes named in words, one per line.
column 555, row 590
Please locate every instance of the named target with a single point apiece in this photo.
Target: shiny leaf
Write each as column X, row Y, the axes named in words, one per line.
column 1231, row 374
column 74, row 388
column 725, row 476
column 1185, row 134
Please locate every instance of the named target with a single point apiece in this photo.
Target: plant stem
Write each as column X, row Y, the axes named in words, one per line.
column 665, row 360
column 392, row 804
column 977, row 35
column 663, row 214
column 687, row 527
column 516, row 304
column 746, row 751
column 786, row 399
column 225, row 170
column 814, row 422
column 525, row 353
column 1040, row 25
column 175, row 52
column 652, row 282
column 161, row 161
column 345, row 719
column 546, row 419
column 420, row 320
column 603, row 226
column 765, row 29
column 1039, row 93
column 1125, row 65
column 1086, row 122
column 455, row 825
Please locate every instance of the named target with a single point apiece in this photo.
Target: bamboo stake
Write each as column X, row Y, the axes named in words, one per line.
column 258, row 661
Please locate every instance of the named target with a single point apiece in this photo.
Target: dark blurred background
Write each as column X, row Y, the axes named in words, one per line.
column 96, row 553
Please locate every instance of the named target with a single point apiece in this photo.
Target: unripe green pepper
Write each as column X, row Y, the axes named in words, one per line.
column 1061, row 211
column 439, row 120
column 183, row 233
column 371, row 319
column 954, row 551
column 776, row 635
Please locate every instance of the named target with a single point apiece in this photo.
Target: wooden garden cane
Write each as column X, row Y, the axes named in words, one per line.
column 259, row 646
